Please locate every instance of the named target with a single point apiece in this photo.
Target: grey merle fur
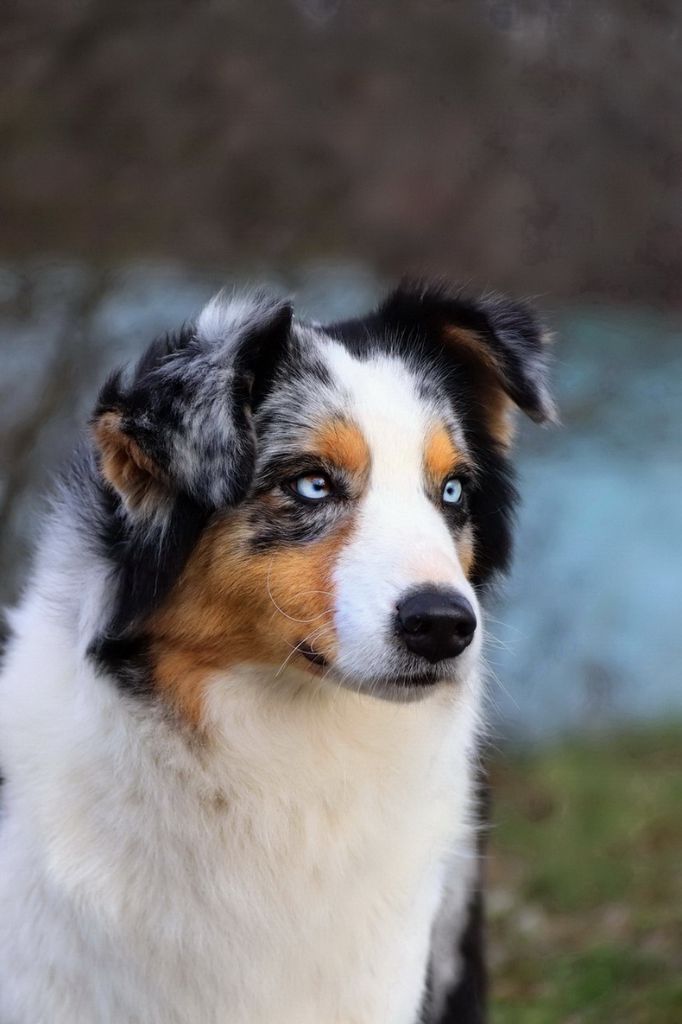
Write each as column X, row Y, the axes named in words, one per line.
column 188, row 406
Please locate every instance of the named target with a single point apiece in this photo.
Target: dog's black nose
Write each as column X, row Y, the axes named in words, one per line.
column 436, row 624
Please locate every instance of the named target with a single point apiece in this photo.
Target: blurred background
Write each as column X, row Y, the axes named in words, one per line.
column 152, row 153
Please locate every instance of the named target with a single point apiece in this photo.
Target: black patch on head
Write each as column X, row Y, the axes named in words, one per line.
column 412, row 322
column 260, row 354
column 299, row 365
column 509, row 331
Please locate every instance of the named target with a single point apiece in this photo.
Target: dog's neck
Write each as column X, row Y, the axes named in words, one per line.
column 309, row 735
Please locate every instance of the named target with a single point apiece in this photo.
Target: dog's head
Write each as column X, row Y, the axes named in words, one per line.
column 322, row 500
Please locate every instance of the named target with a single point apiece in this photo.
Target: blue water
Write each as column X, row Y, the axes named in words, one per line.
column 593, row 610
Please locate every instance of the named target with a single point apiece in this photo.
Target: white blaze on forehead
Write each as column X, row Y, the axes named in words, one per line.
column 401, row 540
column 386, row 404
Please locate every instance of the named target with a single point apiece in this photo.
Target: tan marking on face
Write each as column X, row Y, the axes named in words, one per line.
column 343, row 444
column 232, row 606
column 441, row 457
column 497, row 406
column 124, row 465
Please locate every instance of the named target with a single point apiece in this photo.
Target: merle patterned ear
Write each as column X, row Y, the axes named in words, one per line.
column 180, row 424
column 500, row 344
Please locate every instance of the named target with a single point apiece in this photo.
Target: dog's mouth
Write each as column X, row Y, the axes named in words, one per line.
column 313, row 656
column 424, row 679
column 406, row 683
column 398, row 682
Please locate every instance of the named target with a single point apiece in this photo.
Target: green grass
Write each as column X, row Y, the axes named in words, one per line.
column 585, row 879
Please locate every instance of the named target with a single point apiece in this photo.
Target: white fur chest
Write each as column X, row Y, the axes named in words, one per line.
column 288, row 871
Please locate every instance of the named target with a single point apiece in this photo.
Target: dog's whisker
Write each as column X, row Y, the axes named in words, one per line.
column 494, row 676
column 314, row 635
column 505, row 625
column 490, row 640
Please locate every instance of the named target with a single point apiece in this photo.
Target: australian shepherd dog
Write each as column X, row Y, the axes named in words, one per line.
column 241, row 701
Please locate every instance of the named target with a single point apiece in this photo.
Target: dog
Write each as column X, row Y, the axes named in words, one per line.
column 240, row 710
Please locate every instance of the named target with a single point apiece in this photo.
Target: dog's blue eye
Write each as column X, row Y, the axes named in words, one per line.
column 452, row 491
column 312, row 487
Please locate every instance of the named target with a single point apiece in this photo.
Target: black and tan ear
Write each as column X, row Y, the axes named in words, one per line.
column 180, row 423
column 138, row 480
column 498, row 344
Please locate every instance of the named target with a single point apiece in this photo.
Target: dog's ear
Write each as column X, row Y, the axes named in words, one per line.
column 180, row 424
column 497, row 344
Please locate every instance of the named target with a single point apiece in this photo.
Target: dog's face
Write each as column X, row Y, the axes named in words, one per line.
column 317, row 500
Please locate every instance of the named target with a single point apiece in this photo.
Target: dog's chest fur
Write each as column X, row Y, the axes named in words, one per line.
column 289, row 869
